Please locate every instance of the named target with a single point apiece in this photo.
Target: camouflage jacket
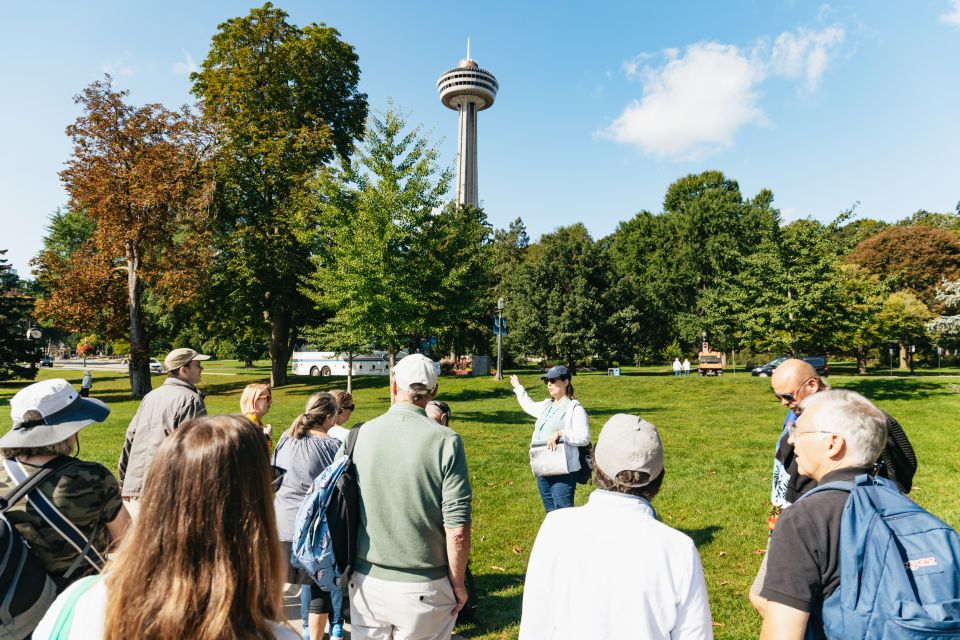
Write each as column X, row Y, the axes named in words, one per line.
column 87, row 494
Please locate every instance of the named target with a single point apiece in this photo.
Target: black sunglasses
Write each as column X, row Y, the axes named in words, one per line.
column 549, row 380
column 350, row 408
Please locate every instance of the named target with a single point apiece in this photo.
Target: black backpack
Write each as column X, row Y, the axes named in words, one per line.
column 26, row 590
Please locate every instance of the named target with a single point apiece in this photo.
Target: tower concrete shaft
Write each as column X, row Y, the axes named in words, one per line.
column 467, row 89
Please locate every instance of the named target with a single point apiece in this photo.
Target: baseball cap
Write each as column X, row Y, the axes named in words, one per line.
column 629, row 443
column 415, row 368
column 49, row 412
column 181, row 358
column 558, row 371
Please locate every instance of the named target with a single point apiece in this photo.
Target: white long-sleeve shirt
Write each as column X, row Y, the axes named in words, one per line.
column 637, row 578
column 576, row 427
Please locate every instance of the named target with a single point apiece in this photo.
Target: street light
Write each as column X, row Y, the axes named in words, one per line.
column 499, row 375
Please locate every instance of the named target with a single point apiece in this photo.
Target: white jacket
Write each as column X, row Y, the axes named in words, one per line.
column 576, row 427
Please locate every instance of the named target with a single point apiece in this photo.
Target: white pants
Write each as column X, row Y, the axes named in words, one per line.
column 388, row 610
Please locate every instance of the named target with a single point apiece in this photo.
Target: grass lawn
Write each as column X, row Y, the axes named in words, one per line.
column 719, row 436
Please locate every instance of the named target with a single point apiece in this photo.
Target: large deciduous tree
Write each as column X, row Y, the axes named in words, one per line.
column 134, row 172
column 555, row 299
column 283, row 101
column 913, row 258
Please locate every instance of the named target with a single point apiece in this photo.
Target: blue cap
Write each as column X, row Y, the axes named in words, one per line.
column 558, row 371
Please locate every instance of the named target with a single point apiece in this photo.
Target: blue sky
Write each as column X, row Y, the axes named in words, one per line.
column 601, row 105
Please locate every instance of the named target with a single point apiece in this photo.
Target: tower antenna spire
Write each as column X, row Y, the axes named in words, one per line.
column 468, row 47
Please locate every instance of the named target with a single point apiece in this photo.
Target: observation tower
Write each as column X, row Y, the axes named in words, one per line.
column 467, row 89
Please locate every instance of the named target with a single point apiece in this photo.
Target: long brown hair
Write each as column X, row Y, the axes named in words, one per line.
column 203, row 559
column 320, row 407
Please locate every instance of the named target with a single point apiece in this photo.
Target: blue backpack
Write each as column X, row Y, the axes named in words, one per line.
column 899, row 568
column 325, row 534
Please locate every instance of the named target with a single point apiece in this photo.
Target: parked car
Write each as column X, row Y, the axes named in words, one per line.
column 817, row 362
column 155, row 366
column 46, row 361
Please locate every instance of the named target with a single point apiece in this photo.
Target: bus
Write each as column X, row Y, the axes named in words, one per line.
column 306, row 362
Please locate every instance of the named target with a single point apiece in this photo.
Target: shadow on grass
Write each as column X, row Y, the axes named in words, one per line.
column 496, row 611
column 468, row 394
column 880, row 390
column 702, row 536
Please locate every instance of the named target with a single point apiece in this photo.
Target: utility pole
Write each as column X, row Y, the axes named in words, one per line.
column 499, row 375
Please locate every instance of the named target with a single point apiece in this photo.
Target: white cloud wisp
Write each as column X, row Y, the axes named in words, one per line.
column 952, row 17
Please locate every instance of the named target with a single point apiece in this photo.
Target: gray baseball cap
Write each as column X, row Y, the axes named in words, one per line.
column 629, row 443
column 49, row 412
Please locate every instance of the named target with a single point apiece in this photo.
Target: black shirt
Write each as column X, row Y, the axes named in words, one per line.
column 803, row 565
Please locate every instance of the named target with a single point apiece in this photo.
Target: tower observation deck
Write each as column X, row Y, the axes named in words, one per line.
column 467, row 89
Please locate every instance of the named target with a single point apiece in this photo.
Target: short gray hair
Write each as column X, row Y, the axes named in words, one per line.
column 847, row 413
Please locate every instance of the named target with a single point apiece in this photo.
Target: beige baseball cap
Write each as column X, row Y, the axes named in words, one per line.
column 181, row 358
column 629, row 443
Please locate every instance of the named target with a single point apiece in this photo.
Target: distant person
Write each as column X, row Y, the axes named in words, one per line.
column 560, row 416
column 415, row 508
column 47, row 419
column 304, row 451
column 631, row 576
column 677, row 367
column 255, row 403
column 345, row 402
column 793, row 381
column 203, row 560
column 161, row 411
column 439, row 412
column 686, row 366
column 837, row 435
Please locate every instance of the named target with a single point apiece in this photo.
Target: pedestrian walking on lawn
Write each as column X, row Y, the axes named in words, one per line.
column 677, row 368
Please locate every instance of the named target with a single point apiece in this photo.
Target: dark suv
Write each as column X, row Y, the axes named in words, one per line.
column 817, row 362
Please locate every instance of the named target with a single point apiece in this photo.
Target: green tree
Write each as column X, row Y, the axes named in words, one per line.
column 18, row 355
column 555, row 298
column 903, row 320
column 379, row 271
column 283, row 101
column 946, row 326
column 859, row 325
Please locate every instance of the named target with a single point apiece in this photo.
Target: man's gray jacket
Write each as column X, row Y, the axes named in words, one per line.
column 161, row 411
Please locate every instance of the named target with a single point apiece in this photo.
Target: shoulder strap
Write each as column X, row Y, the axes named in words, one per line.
column 22, row 488
column 351, row 440
column 61, row 627
column 836, row 485
column 60, row 523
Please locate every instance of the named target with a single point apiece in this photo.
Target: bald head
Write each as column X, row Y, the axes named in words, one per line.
column 795, row 380
column 792, row 373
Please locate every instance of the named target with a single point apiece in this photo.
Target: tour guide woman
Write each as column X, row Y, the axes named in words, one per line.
column 558, row 417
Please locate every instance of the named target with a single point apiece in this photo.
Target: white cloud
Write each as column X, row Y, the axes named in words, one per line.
column 952, row 17
column 694, row 103
column 186, row 66
column 123, row 67
column 805, row 54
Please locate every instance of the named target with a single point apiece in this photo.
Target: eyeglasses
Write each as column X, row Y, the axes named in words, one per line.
column 791, row 397
column 794, row 434
column 350, row 408
column 551, row 380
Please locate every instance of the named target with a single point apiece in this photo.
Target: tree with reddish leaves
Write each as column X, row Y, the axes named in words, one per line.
column 913, row 258
column 137, row 172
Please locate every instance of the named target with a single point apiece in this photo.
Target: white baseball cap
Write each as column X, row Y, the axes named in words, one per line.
column 629, row 443
column 49, row 412
column 415, row 368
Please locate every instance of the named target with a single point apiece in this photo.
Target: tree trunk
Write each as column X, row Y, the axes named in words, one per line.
column 349, row 371
column 140, row 384
column 904, row 365
column 861, row 361
column 279, row 347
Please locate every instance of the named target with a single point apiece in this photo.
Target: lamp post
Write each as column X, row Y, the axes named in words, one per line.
column 499, row 375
